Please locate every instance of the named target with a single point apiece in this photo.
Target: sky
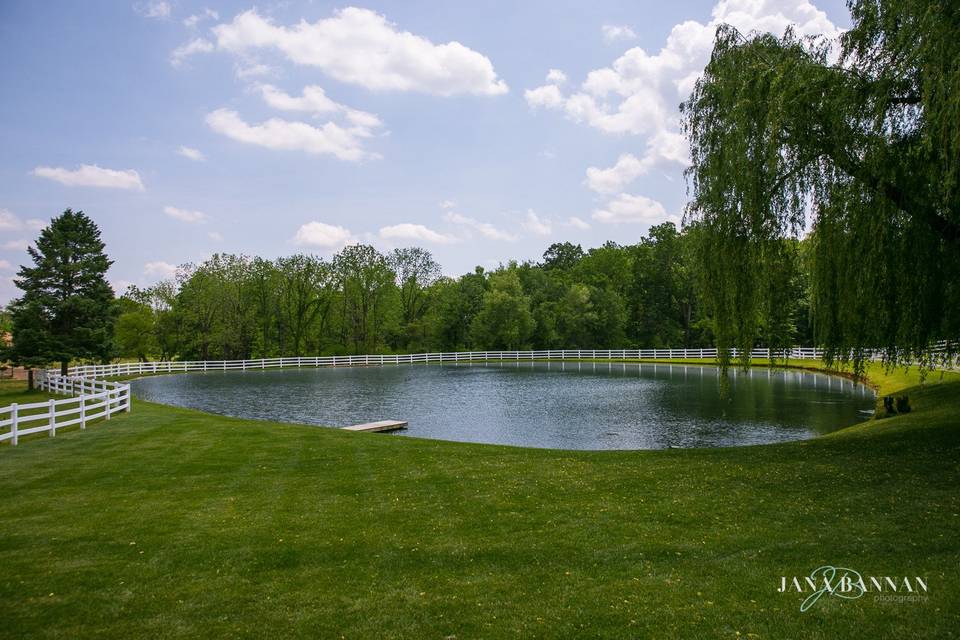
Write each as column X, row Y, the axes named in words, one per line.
column 482, row 131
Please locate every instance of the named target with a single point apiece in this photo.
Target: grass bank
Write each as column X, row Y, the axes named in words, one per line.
column 170, row 523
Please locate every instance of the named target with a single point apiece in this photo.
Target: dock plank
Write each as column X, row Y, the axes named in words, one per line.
column 380, row 425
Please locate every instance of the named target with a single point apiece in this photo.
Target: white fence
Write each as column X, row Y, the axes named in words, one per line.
column 166, row 366
column 93, row 399
column 96, row 398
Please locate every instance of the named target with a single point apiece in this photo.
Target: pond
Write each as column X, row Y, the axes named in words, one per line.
column 550, row 405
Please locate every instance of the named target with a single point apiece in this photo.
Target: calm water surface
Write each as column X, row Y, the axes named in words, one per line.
column 554, row 405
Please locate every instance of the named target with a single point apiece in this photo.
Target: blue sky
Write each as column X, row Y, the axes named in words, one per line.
column 483, row 131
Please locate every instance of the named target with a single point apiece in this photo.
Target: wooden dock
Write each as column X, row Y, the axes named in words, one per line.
column 380, row 425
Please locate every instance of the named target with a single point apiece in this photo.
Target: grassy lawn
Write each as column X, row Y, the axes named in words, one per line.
column 170, row 523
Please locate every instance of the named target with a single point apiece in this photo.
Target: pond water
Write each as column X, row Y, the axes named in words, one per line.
column 551, row 405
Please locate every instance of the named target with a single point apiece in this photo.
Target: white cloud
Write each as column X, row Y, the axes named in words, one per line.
column 314, row 100
column 485, row 229
column 537, row 225
column 153, row 9
column 5, row 265
column 326, row 236
column 331, row 138
column 92, row 176
column 252, row 70
column 613, row 32
column 448, row 204
column 547, row 96
column 626, row 208
column 15, row 245
column 638, row 94
column 361, row 47
column 555, row 76
column 613, row 179
column 577, row 223
column 190, row 152
column 120, row 286
column 207, row 14
column 216, row 236
column 418, row 232
column 160, row 269
column 187, row 49
column 10, row 222
column 185, row 215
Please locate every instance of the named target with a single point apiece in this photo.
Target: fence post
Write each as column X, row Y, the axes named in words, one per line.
column 14, row 429
column 128, row 399
column 109, row 401
column 83, row 412
column 53, row 418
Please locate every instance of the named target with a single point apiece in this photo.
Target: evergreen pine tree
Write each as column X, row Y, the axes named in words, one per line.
column 67, row 308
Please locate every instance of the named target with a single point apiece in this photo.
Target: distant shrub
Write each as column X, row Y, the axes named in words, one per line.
column 903, row 404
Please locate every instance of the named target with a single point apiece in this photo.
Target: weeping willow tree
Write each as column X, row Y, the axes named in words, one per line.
column 857, row 142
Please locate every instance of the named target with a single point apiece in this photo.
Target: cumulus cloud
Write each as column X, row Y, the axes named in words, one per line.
column 536, row 225
column 159, row 269
column 187, row 49
column 92, row 176
column 11, row 222
column 416, row 232
column 322, row 235
column 639, row 92
column 485, row 229
column 252, row 70
column 613, row 32
column 577, row 223
column 157, row 9
column 315, row 100
column 185, row 215
column 555, row 76
column 8, row 221
column 448, row 204
column 613, row 179
column 629, row 209
column 344, row 143
column 120, row 286
column 15, row 245
column 548, row 96
column 207, row 14
column 190, row 152
column 360, row 46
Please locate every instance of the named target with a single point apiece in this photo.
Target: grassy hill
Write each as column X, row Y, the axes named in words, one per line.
column 170, row 523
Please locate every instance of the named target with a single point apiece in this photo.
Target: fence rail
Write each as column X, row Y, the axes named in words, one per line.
column 93, row 399
column 168, row 366
column 97, row 398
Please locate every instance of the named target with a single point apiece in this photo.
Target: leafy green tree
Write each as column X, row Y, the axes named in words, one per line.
column 366, row 282
column 661, row 294
column 576, row 318
column 134, row 331
column 562, row 256
column 305, row 297
column 504, row 320
column 264, row 284
column 168, row 320
column 866, row 148
column 416, row 271
column 458, row 303
column 66, row 311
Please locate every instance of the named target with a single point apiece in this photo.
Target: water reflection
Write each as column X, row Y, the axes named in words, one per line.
column 564, row 405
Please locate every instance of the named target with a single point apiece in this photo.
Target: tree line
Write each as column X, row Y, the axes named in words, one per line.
column 365, row 301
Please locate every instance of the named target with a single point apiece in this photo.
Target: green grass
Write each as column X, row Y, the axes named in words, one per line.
column 170, row 523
